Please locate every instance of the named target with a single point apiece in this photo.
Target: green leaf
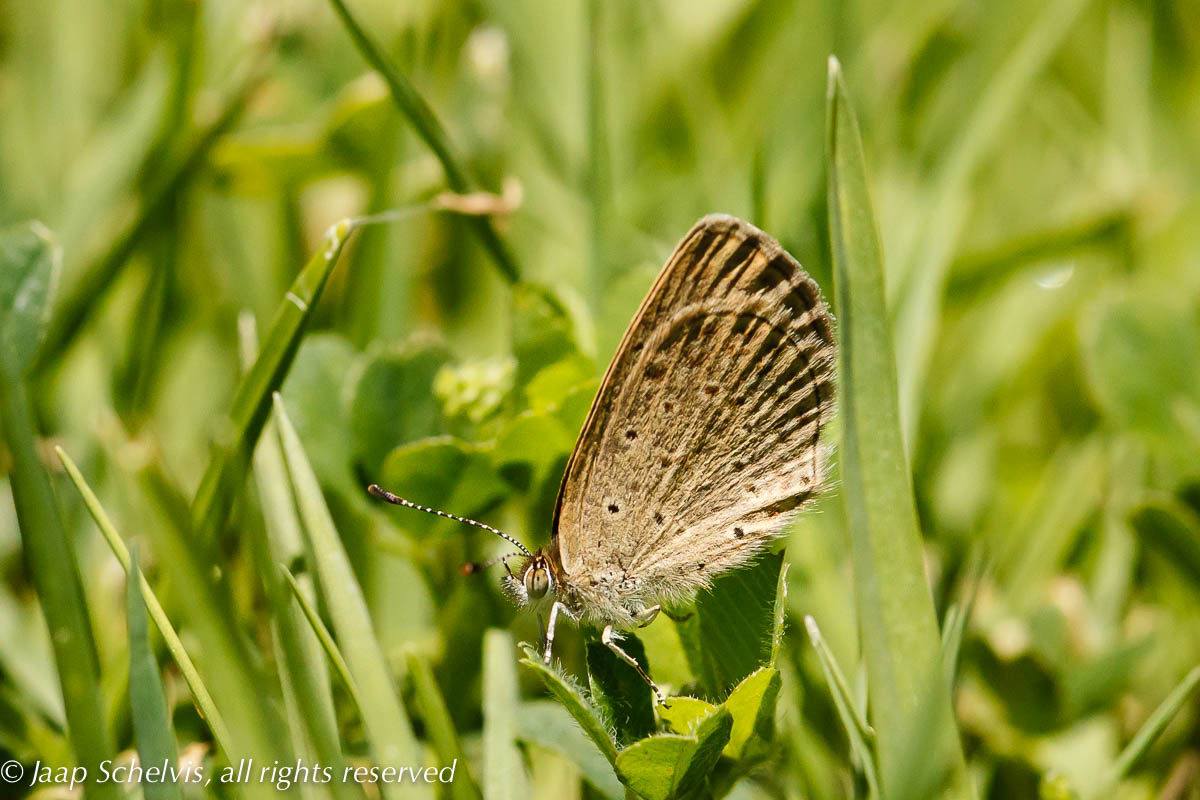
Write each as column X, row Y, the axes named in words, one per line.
column 899, row 631
column 393, row 402
column 684, row 714
column 504, row 775
column 731, row 632
column 548, row 724
column 575, row 702
column 314, row 390
column 752, row 706
column 529, row 446
column 30, row 263
column 151, row 719
column 389, row 734
column 440, row 472
column 238, row 432
column 671, row 765
column 439, row 728
column 542, row 330
column 621, row 694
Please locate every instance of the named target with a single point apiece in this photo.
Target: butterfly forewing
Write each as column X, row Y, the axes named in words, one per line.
column 705, row 432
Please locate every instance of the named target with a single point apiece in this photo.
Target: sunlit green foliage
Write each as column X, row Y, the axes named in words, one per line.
column 1033, row 173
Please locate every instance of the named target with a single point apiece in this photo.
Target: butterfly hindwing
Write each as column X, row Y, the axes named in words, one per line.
column 705, row 432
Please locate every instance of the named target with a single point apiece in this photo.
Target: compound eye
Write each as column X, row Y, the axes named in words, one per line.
column 537, row 583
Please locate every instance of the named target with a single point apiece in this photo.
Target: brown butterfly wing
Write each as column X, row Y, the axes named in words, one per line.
column 706, row 429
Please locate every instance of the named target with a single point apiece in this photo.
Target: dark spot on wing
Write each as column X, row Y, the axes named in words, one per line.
column 613, row 508
column 655, row 371
column 668, row 407
column 738, row 532
column 630, row 435
column 658, row 518
column 710, row 390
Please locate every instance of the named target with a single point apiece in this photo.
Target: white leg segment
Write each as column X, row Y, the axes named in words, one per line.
column 609, row 639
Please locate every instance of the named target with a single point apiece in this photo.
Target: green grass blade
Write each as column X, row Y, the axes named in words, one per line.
column 391, row 738
column 303, row 672
column 1149, row 731
column 440, row 728
column 919, row 308
column 240, row 430
column 324, row 637
column 85, row 292
column 151, row 719
column 576, row 703
column 900, row 640
column 504, row 775
column 28, row 266
column 228, row 660
column 426, row 123
column 858, row 732
column 200, row 694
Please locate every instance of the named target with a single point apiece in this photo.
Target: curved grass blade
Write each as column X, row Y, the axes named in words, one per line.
column 239, row 432
column 200, row 694
column 900, row 640
column 324, row 637
column 574, row 701
column 440, row 728
column 426, row 123
column 151, row 719
column 1149, row 731
column 390, row 736
column 504, row 775
column 28, row 265
column 858, row 732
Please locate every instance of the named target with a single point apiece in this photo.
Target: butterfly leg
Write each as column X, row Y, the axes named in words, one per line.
column 554, row 609
column 609, row 638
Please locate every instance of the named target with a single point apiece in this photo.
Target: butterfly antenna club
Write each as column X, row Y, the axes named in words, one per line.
column 376, row 491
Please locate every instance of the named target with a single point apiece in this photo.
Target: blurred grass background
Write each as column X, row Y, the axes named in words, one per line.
column 1034, row 170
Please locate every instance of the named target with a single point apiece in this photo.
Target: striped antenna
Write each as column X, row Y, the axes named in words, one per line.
column 383, row 494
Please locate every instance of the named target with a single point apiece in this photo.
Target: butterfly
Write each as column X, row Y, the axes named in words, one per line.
column 703, row 440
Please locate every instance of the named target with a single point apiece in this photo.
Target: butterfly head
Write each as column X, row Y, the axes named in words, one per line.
column 532, row 581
